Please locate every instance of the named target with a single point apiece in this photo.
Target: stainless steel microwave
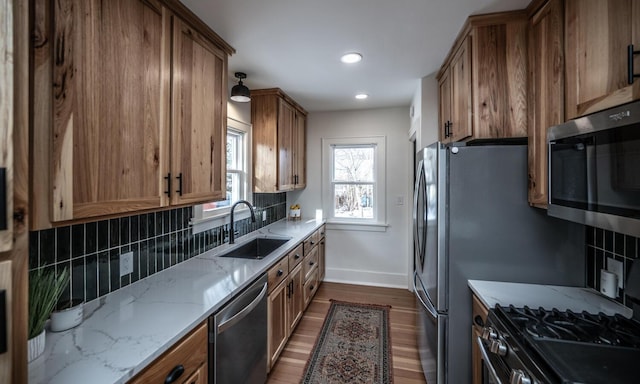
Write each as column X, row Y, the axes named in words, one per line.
column 594, row 169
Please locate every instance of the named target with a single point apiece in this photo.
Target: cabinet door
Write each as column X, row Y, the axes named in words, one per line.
column 444, row 92
column 461, row 93
column 6, row 127
column 300, row 151
column 296, row 298
column 199, row 102
column 286, row 145
column 110, row 107
column 277, row 322
column 321, row 260
column 597, row 35
column 546, row 92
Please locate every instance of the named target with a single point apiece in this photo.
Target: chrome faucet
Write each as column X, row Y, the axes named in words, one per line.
column 232, row 235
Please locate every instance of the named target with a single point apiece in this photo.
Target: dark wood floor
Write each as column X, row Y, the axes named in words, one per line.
column 406, row 361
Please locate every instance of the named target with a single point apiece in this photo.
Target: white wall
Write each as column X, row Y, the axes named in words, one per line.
column 429, row 111
column 239, row 111
column 359, row 257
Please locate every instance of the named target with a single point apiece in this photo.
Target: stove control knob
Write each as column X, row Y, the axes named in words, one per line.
column 519, row 377
column 498, row 347
column 489, row 334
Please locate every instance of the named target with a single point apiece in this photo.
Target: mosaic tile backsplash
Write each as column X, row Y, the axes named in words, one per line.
column 602, row 244
column 158, row 240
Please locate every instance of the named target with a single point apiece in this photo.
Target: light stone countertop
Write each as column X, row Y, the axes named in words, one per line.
column 126, row 330
column 577, row 299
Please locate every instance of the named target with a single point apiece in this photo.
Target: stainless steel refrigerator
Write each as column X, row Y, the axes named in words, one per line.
column 472, row 221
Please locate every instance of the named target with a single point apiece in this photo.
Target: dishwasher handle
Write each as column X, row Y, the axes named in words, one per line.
column 242, row 313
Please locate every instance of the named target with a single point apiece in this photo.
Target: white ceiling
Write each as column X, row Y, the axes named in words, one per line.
column 296, row 45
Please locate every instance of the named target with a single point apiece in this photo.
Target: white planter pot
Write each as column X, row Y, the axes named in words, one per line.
column 66, row 318
column 35, row 346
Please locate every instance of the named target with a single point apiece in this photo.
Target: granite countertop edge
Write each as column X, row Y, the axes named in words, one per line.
column 577, row 299
column 126, row 330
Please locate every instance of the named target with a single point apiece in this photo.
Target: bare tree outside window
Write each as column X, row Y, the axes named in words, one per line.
column 353, row 181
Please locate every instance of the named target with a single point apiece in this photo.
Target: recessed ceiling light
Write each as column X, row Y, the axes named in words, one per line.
column 361, row 96
column 351, row 57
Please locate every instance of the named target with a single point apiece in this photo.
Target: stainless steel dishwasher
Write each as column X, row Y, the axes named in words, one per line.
column 238, row 338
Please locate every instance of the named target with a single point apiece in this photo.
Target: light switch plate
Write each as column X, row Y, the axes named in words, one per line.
column 126, row 263
column 615, row 266
column 264, row 215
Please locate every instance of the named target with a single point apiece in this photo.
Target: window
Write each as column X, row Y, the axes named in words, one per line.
column 354, row 180
column 238, row 172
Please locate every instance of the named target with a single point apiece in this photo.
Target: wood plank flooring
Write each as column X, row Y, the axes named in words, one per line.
column 406, row 362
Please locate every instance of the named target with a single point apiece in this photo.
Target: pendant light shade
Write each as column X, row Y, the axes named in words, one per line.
column 240, row 92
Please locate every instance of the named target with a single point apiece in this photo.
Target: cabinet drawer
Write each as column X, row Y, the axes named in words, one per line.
column 479, row 313
column 321, row 232
column 310, row 287
column 296, row 256
column 311, row 241
column 310, row 263
column 190, row 352
column 278, row 273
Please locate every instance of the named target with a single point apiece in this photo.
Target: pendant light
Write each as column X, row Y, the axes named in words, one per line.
column 240, row 92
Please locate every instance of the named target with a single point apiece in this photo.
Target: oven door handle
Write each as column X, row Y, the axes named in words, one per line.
column 487, row 361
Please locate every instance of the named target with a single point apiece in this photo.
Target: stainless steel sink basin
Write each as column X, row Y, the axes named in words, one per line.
column 257, row 248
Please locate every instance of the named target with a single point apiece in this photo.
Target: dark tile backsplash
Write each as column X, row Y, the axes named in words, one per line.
column 602, row 244
column 158, row 241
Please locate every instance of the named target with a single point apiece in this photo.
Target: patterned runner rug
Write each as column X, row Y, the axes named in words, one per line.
column 354, row 346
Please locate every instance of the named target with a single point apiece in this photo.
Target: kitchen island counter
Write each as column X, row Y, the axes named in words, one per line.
column 577, row 299
column 126, row 330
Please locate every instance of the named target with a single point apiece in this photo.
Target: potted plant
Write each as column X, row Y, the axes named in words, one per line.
column 45, row 289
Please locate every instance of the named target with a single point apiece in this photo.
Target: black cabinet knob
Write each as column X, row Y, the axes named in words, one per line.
column 280, row 272
column 174, row 374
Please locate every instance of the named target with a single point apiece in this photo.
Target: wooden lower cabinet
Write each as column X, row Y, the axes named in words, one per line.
column 479, row 318
column 277, row 322
column 293, row 281
column 190, row 353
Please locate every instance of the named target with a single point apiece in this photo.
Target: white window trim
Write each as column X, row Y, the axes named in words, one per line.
column 379, row 222
column 202, row 221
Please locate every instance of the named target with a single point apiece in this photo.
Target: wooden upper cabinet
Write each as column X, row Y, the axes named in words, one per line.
column 546, row 91
column 444, row 95
column 199, row 103
column 6, row 133
column 110, row 107
column 279, row 126
column 485, row 73
column 461, row 92
column 122, row 100
column 300, row 154
column 598, row 33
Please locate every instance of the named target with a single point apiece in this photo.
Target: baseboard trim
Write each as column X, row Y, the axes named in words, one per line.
column 358, row 277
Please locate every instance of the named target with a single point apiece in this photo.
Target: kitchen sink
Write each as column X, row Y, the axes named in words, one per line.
column 257, row 248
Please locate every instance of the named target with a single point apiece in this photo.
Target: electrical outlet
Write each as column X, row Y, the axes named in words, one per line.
column 615, row 266
column 126, row 263
column 264, row 215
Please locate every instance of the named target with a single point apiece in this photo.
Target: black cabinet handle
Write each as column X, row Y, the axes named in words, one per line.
column 3, row 199
column 174, row 374
column 630, row 54
column 168, row 178
column 311, row 263
column 280, row 273
column 478, row 320
column 311, row 287
column 179, row 190
column 297, row 256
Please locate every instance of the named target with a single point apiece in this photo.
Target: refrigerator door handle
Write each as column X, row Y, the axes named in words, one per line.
column 428, row 306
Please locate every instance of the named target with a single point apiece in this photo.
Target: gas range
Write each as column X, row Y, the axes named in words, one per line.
column 537, row 345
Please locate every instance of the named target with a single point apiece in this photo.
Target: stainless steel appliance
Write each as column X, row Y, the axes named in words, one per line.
column 238, row 338
column 472, row 221
column 594, row 172
column 537, row 345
